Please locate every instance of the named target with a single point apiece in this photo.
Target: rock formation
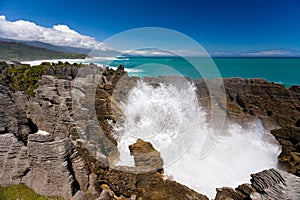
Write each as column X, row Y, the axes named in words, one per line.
column 268, row 184
column 289, row 139
column 37, row 159
column 58, row 163
column 14, row 162
column 146, row 158
column 50, row 166
column 12, row 118
column 276, row 106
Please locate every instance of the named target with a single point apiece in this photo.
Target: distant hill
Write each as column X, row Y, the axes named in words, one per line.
column 67, row 49
column 52, row 47
column 10, row 50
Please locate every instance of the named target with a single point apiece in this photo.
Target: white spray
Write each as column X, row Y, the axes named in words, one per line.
column 172, row 120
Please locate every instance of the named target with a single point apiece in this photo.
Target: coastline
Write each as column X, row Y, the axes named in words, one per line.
column 275, row 69
column 240, row 107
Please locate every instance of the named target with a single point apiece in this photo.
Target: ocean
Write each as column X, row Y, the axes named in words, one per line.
column 279, row 70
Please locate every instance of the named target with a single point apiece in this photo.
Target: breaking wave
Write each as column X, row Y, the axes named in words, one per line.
column 171, row 118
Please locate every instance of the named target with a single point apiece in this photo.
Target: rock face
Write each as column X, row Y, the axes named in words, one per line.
column 277, row 107
column 274, row 184
column 151, row 185
column 14, row 130
column 14, row 162
column 50, row 110
column 58, row 163
column 146, row 158
column 268, row 184
column 50, row 166
column 55, row 163
column 45, row 164
column 289, row 139
column 249, row 98
column 12, row 118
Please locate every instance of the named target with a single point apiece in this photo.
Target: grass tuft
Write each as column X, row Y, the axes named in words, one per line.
column 22, row 192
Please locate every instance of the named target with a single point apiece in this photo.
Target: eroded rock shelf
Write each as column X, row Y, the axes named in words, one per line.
column 40, row 145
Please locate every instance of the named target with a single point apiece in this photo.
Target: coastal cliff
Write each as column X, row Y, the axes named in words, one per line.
column 41, row 145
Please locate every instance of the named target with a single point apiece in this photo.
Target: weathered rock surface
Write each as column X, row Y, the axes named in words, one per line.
column 248, row 98
column 14, row 130
column 146, row 158
column 50, row 166
column 130, row 182
column 289, row 139
column 67, row 71
column 14, row 162
column 44, row 164
column 50, row 110
column 274, row 184
column 150, row 185
column 229, row 193
column 12, row 118
column 268, row 184
column 59, row 163
column 276, row 106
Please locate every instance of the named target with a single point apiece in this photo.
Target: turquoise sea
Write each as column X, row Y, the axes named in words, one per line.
column 280, row 70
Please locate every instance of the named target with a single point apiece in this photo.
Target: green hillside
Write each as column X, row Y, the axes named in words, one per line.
column 21, row 52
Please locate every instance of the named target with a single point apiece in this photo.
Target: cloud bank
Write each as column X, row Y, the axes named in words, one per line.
column 60, row 35
column 182, row 52
column 257, row 53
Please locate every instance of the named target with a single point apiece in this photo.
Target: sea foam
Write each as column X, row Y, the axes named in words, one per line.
column 172, row 120
column 99, row 61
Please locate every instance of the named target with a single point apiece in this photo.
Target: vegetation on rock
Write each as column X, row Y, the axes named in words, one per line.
column 22, row 77
column 21, row 191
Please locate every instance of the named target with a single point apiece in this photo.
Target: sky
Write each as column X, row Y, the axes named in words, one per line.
column 225, row 27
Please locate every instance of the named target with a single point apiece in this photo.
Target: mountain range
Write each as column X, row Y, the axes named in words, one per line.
column 35, row 50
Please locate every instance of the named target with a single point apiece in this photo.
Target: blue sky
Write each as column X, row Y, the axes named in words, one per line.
column 218, row 25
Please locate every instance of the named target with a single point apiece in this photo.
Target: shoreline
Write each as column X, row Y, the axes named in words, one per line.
column 50, row 97
column 231, row 72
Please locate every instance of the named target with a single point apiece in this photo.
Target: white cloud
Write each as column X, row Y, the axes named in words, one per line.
column 60, row 35
column 160, row 52
column 276, row 52
column 257, row 53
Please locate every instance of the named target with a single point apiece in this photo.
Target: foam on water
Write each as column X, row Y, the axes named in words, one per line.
column 172, row 120
column 99, row 61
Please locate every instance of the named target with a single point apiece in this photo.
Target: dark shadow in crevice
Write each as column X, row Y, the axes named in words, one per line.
column 75, row 185
column 33, row 127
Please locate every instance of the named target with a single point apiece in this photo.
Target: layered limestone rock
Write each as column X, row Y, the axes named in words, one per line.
column 50, row 110
column 12, row 118
column 14, row 130
column 58, row 163
column 276, row 106
column 250, row 98
column 146, row 158
column 14, row 162
column 50, row 166
column 268, row 184
column 125, row 182
column 274, row 184
column 289, row 139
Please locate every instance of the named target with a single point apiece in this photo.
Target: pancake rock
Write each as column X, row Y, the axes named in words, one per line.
column 146, row 158
column 60, row 163
column 267, row 184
